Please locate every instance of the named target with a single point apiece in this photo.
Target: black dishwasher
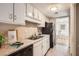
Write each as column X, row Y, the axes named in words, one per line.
column 27, row 51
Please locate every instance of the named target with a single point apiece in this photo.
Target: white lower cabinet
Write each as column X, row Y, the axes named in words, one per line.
column 47, row 42
column 41, row 47
column 44, row 47
column 37, row 49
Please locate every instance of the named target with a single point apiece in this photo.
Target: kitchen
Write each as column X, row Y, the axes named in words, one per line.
column 27, row 31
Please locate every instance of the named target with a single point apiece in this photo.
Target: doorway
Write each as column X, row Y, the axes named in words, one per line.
column 62, row 33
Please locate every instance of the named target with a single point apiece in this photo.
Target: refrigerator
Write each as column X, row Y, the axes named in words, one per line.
column 48, row 29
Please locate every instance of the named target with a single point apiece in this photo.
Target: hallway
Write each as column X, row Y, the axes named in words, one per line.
column 62, row 38
column 58, row 50
column 61, row 48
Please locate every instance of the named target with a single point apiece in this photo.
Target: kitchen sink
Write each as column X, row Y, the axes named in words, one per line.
column 35, row 37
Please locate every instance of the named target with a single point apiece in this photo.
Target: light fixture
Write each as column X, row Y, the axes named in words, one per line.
column 53, row 9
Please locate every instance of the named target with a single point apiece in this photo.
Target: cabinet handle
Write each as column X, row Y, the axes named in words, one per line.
column 10, row 16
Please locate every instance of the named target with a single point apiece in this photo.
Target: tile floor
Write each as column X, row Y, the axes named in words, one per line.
column 61, row 48
column 58, row 50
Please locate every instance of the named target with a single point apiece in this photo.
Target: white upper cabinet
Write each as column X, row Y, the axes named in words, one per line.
column 42, row 24
column 12, row 13
column 29, row 10
column 6, row 12
column 32, row 14
column 36, row 16
column 19, row 13
column 40, row 15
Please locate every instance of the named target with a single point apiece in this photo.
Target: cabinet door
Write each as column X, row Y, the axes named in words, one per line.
column 6, row 12
column 36, row 15
column 47, row 42
column 40, row 16
column 44, row 46
column 19, row 13
column 42, row 19
column 47, row 47
column 29, row 10
column 37, row 49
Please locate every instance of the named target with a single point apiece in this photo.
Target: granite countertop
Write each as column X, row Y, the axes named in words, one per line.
column 7, row 49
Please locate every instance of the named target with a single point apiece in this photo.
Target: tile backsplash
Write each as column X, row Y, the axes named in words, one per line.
column 23, row 31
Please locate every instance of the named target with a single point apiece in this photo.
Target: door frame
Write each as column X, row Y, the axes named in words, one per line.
column 72, row 36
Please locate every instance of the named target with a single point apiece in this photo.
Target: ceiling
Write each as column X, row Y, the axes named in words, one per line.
column 62, row 9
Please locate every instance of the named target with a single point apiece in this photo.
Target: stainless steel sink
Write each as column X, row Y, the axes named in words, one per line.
column 35, row 38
